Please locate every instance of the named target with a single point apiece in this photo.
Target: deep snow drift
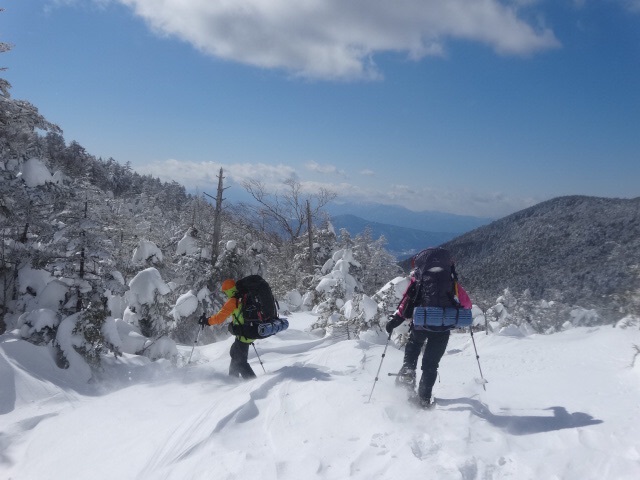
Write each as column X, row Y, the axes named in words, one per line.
column 562, row 406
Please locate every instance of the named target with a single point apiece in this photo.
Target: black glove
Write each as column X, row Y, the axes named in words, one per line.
column 394, row 321
column 204, row 321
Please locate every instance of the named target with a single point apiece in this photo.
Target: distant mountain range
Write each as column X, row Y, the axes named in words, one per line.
column 401, row 241
column 407, row 232
column 427, row 221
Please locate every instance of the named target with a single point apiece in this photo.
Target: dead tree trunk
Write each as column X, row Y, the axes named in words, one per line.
column 217, row 220
column 82, row 259
column 310, row 234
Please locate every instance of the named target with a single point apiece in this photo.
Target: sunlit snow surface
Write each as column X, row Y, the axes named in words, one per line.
column 562, row 406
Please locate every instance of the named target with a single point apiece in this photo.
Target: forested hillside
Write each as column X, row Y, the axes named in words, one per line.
column 566, row 252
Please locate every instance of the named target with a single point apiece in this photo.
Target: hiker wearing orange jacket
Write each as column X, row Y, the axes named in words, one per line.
column 239, row 351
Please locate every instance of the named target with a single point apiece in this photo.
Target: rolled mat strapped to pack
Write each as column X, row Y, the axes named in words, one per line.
column 441, row 318
column 256, row 329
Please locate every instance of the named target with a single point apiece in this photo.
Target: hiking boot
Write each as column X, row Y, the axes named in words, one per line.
column 422, row 403
column 406, row 377
column 427, row 403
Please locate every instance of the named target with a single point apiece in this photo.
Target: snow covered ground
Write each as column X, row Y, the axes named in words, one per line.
column 562, row 406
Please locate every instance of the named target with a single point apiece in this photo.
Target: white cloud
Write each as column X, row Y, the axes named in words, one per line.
column 367, row 172
column 325, row 169
column 337, row 39
column 450, row 200
column 632, row 5
column 203, row 175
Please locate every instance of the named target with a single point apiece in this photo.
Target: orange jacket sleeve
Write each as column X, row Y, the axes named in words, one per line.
column 226, row 310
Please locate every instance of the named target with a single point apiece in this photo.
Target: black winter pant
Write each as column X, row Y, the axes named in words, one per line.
column 433, row 352
column 239, row 366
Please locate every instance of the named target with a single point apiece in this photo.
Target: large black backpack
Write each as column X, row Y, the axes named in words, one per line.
column 435, row 279
column 256, row 298
column 259, row 308
column 434, row 304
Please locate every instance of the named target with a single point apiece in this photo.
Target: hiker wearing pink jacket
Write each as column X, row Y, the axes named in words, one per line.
column 434, row 283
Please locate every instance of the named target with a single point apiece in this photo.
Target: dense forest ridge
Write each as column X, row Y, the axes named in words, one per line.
column 568, row 251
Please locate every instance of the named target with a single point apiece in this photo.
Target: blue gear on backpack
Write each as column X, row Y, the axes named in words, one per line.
column 435, row 303
column 441, row 318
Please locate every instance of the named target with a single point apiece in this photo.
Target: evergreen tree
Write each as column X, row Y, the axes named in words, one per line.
column 335, row 288
column 377, row 265
column 146, row 298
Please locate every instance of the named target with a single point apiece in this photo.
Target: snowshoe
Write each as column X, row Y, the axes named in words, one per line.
column 406, row 378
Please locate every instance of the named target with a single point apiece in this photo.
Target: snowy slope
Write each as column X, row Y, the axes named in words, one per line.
column 563, row 406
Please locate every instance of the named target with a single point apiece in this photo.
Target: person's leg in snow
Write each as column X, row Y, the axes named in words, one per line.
column 239, row 366
column 407, row 375
column 433, row 352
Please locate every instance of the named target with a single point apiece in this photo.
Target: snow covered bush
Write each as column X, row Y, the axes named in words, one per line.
column 39, row 326
column 92, row 343
column 335, row 288
column 188, row 244
column 146, row 252
column 87, row 341
column 231, row 262
column 362, row 313
column 69, row 341
column 582, row 317
column 629, row 321
column 539, row 316
column 185, row 306
column 389, row 296
column 292, row 301
column 188, row 309
column 146, row 299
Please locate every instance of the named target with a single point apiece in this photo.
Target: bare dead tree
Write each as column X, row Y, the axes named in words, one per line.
column 290, row 210
column 217, row 218
column 310, row 235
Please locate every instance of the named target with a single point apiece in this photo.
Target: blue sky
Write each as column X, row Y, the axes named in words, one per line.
column 476, row 107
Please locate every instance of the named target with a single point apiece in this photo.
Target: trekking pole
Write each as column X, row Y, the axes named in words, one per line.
column 259, row 359
column 478, row 359
column 195, row 342
column 486, row 321
column 378, row 372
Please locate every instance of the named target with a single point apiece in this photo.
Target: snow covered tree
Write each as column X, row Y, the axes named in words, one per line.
column 336, row 287
column 89, row 328
column 377, row 265
column 231, row 262
column 361, row 313
column 147, row 304
column 192, row 276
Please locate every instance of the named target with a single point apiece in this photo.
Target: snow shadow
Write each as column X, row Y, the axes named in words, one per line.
column 13, row 434
column 8, row 390
column 248, row 411
column 296, row 348
column 522, row 424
